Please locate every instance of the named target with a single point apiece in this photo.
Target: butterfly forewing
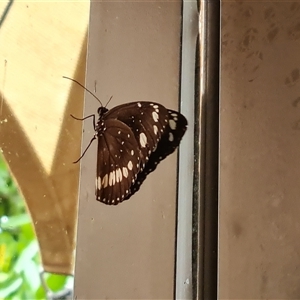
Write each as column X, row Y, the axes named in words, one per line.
column 147, row 121
column 118, row 162
column 167, row 144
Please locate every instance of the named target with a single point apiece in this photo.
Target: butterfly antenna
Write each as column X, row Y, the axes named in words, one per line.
column 85, row 89
column 108, row 101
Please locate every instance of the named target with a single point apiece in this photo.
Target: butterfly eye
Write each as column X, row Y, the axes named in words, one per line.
column 102, row 110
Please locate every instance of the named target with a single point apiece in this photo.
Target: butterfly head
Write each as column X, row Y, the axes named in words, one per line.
column 101, row 111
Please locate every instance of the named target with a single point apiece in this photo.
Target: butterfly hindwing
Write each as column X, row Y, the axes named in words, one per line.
column 118, row 162
column 170, row 139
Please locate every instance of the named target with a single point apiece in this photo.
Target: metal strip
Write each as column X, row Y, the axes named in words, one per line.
column 197, row 232
column 183, row 288
column 207, row 199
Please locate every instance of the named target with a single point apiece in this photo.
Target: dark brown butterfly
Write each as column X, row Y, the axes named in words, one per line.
column 132, row 139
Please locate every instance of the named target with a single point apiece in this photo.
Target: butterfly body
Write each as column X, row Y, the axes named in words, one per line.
column 132, row 139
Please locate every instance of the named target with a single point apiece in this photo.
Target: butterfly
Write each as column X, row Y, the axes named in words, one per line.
column 132, row 139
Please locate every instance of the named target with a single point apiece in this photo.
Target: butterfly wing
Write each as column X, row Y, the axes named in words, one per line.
column 147, row 121
column 158, row 132
column 118, row 162
column 170, row 139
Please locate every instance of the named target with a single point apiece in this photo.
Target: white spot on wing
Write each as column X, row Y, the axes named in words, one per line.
column 155, row 116
column 155, row 106
column 155, row 129
column 125, row 172
column 130, row 165
column 118, row 175
column 132, row 152
column 98, row 183
column 139, row 104
column 171, row 137
column 172, row 124
column 105, row 181
column 112, row 178
column 143, row 140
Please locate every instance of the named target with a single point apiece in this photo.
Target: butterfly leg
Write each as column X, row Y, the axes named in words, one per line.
column 94, row 137
column 79, row 119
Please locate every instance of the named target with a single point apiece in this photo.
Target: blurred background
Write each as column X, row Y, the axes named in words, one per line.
column 20, row 262
column 40, row 43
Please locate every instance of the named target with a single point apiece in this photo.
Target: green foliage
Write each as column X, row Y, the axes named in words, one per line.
column 20, row 263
